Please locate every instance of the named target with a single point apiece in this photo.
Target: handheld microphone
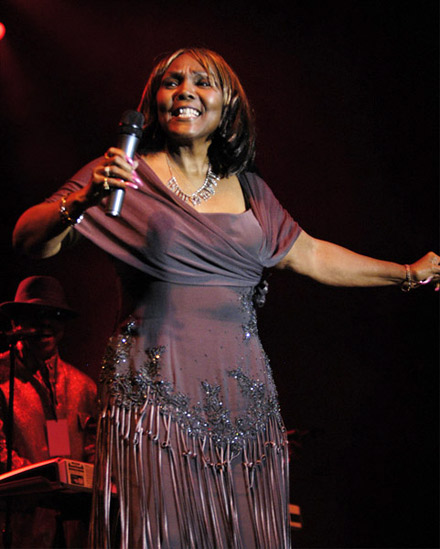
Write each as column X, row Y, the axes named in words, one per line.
column 130, row 132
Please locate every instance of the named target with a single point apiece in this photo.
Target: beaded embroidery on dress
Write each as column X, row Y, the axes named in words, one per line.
column 219, row 449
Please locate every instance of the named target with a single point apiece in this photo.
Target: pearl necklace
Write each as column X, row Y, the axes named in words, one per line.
column 206, row 191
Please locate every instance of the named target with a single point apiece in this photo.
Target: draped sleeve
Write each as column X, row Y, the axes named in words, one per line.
column 169, row 240
column 280, row 229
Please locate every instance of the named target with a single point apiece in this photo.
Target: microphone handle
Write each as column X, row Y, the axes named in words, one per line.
column 113, row 206
column 128, row 143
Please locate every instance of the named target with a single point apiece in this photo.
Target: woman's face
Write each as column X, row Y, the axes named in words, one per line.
column 189, row 101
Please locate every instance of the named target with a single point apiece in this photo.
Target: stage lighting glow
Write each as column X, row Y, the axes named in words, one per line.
column 2, row 30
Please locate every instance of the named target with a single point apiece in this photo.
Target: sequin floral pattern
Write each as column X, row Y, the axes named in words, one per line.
column 208, row 417
column 247, row 305
column 261, row 405
column 124, row 386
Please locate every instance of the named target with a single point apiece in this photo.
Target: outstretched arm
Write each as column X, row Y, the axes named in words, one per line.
column 334, row 265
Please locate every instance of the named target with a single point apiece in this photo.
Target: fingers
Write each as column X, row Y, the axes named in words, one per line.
column 115, row 171
column 120, row 170
column 434, row 267
column 118, row 159
column 427, row 270
column 435, row 260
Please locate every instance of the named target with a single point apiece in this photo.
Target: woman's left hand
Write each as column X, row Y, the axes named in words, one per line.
column 427, row 269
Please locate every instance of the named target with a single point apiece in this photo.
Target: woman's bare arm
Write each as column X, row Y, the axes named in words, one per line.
column 334, row 265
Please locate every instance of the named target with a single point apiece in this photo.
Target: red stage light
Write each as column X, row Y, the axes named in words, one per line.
column 2, row 30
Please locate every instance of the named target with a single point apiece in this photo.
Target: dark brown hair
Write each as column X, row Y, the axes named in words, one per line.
column 232, row 149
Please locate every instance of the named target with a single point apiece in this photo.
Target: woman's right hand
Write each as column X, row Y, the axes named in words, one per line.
column 40, row 230
column 115, row 171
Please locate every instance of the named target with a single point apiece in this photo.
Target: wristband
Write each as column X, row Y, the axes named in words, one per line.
column 65, row 216
column 408, row 284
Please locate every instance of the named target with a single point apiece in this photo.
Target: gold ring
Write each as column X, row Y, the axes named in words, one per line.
column 106, row 186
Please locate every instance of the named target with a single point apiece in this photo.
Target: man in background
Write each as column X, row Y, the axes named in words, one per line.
column 54, row 407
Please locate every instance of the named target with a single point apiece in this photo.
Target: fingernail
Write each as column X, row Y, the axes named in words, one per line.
column 131, row 185
column 137, row 179
column 129, row 160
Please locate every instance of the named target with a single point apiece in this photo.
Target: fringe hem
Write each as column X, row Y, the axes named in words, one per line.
column 220, row 497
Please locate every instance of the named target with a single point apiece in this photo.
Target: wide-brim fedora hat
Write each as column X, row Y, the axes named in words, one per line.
column 38, row 292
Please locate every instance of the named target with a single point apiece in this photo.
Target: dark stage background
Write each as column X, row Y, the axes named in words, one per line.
column 345, row 94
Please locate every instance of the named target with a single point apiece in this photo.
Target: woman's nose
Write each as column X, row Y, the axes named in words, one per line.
column 185, row 90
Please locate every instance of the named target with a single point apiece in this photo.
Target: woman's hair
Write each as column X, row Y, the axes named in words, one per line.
column 232, row 148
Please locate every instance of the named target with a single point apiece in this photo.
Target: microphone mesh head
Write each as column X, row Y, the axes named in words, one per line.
column 132, row 123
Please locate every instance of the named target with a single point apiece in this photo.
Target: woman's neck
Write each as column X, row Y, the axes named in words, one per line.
column 191, row 161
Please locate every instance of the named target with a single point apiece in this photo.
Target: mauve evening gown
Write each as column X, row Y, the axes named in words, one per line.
column 190, row 431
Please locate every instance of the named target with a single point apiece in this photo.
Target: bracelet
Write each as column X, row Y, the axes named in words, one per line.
column 408, row 284
column 65, row 216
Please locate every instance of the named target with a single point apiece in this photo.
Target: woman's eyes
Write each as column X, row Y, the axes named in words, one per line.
column 174, row 83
